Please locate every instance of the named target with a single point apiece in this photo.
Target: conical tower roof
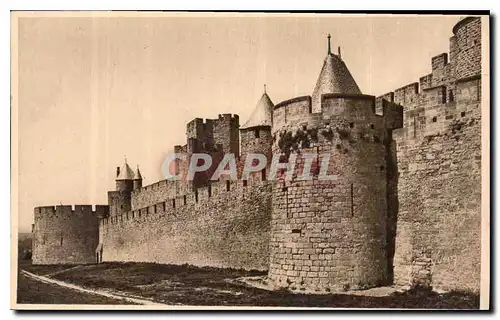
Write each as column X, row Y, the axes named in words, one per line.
column 137, row 174
column 333, row 78
column 126, row 173
column 262, row 115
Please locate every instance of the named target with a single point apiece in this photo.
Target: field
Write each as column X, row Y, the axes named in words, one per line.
column 205, row 286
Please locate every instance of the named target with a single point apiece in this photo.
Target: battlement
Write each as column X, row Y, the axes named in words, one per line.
column 196, row 197
column 439, row 61
column 435, row 116
column 357, row 109
column 426, row 92
column 60, row 210
column 228, row 117
column 180, row 149
column 462, row 62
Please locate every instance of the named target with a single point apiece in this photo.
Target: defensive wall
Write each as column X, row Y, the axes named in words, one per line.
column 225, row 224
column 438, row 157
column 404, row 206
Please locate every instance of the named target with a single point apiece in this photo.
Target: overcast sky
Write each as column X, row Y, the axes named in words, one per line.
column 92, row 90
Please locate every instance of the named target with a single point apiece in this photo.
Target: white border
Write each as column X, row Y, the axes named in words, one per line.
column 154, row 5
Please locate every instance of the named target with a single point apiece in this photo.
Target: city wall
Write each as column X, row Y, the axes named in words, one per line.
column 222, row 225
column 439, row 192
column 438, row 175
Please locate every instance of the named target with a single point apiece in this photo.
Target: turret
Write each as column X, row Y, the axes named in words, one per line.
column 124, row 178
column 120, row 200
column 256, row 132
column 137, row 179
column 333, row 78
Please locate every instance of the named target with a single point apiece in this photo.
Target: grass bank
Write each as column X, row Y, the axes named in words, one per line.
column 206, row 286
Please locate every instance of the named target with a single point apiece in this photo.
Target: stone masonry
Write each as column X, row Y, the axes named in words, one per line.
column 403, row 206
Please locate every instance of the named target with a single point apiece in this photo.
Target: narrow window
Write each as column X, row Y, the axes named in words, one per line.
column 263, row 174
column 434, row 119
column 352, row 200
column 462, row 114
column 173, row 203
column 245, row 183
column 228, row 185
column 257, row 133
column 185, row 200
column 196, row 195
column 209, row 191
column 351, row 125
column 61, row 239
column 451, row 96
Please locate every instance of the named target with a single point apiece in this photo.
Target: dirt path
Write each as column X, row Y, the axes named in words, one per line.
column 101, row 293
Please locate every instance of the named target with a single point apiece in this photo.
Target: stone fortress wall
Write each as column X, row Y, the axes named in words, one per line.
column 438, row 158
column 404, row 209
column 225, row 224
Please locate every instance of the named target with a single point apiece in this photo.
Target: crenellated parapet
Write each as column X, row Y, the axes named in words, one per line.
column 448, row 70
column 163, row 198
column 70, row 211
column 432, row 110
column 359, row 111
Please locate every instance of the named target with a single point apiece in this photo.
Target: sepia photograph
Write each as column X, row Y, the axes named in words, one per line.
column 237, row 160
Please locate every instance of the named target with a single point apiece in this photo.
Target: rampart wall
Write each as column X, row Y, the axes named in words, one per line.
column 222, row 225
column 439, row 192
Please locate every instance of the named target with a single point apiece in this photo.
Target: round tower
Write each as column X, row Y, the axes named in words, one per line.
column 66, row 234
column 124, row 178
column 328, row 232
column 255, row 133
column 137, row 179
column 120, row 201
column 466, row 47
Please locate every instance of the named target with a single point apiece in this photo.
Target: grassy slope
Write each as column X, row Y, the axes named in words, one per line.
column 30, row 291
column 191, row 285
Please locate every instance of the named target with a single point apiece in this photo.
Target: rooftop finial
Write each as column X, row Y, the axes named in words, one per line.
column 125, row 157
column 340, row 56
column 265, row 88
column 329, row 47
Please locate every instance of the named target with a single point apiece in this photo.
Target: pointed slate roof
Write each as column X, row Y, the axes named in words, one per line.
column 333, row 78
column 126, row 173
column 262, row 115
column 137, row 174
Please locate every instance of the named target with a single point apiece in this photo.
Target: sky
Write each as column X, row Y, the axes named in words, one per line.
column 92, row 90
